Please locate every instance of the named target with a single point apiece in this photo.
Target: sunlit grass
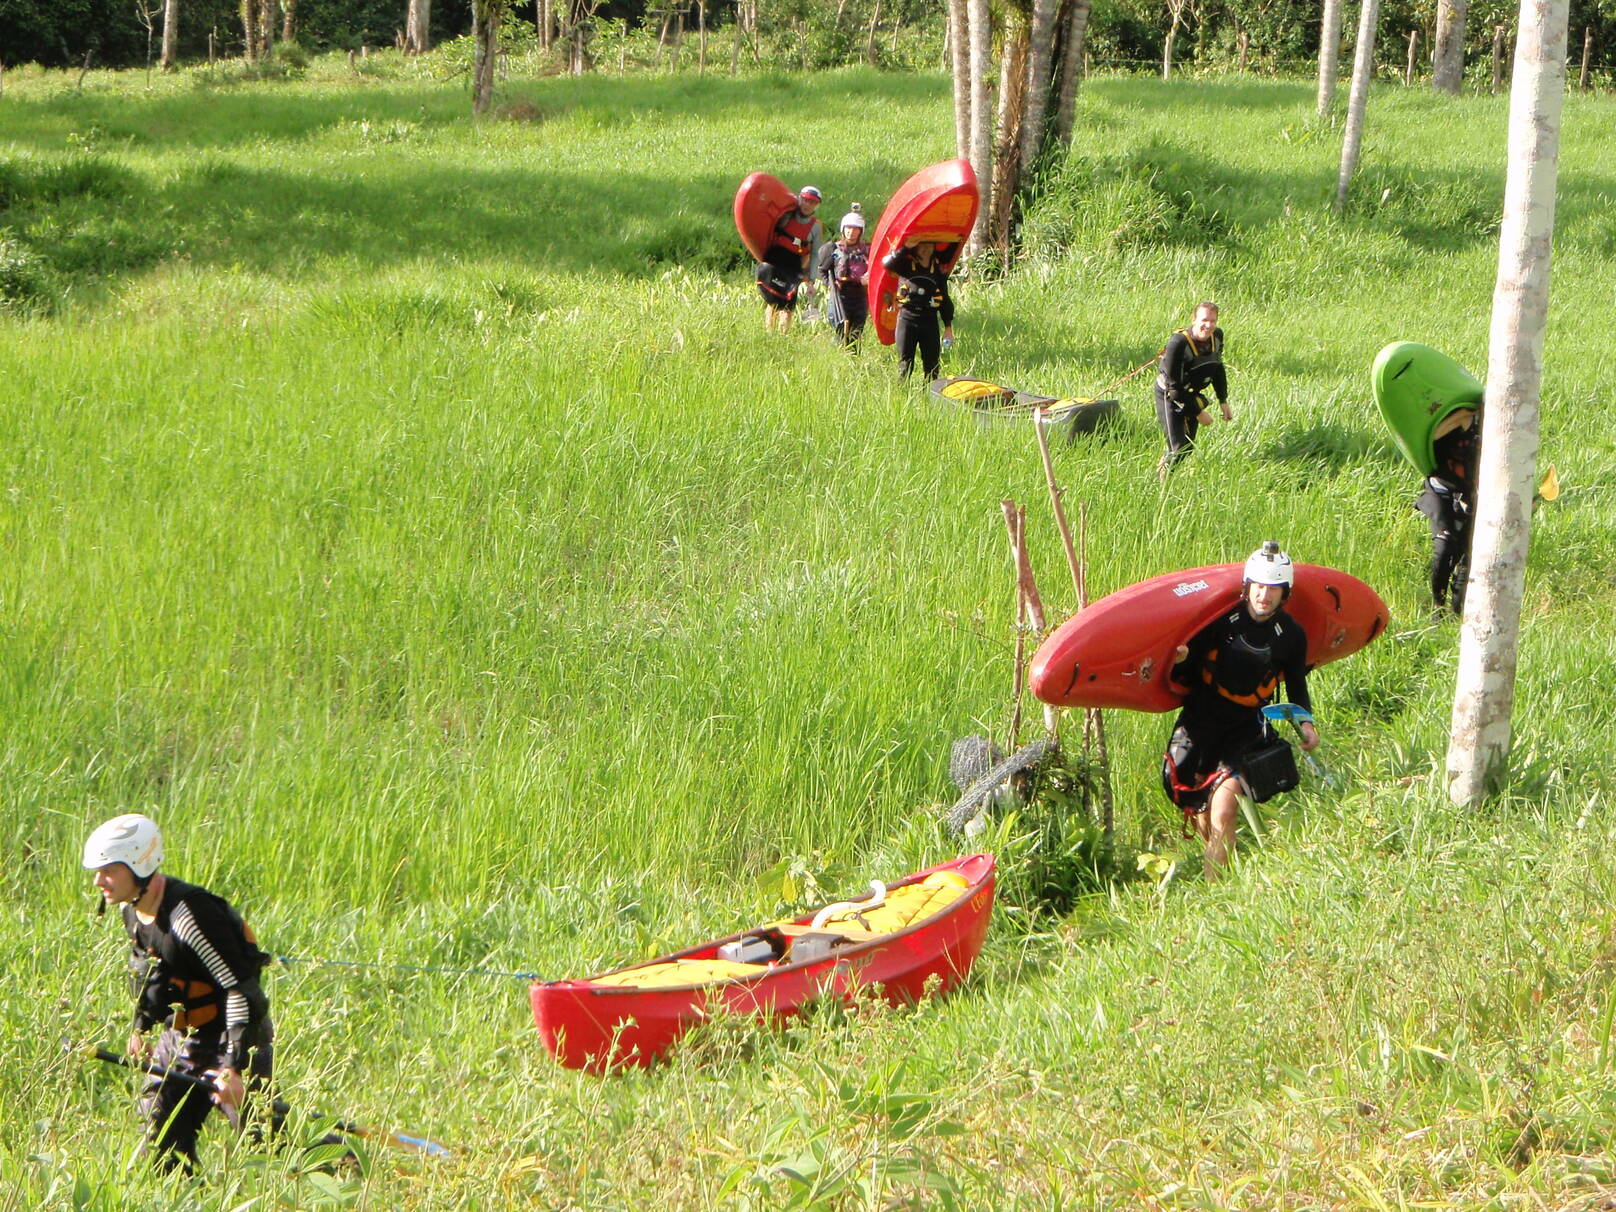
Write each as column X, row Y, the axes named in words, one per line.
column 412, row 514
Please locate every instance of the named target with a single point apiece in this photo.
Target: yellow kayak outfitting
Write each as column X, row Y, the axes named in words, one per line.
column 992, row 403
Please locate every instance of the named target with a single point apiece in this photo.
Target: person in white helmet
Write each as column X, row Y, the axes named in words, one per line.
column 197, row 966
column 1230, row 671
column 843, row 266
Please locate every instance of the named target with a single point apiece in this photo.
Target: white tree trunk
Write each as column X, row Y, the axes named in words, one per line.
column 418, row 27
column 1329, row 55
column 1167, row 49
column 1484, row 693
column 1077, row 27
column 1447, row 61
column 171, row 33
column 980, row 29
column 1363, row 67
column 960, row 55
column 1039, row 62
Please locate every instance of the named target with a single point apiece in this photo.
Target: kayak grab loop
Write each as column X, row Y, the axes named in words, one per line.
column 877, row 898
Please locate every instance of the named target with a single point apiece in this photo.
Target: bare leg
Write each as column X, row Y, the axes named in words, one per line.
column 1217, row 827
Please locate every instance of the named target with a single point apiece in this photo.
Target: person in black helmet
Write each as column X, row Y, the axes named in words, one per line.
column 1191, row 362
column 923, row 304
column 196, row 965
column 1230, row 671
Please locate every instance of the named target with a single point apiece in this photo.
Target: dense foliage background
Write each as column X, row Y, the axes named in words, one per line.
column 1283, row 34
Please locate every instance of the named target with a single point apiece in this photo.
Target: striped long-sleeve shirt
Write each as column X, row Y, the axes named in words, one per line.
column 197, row 967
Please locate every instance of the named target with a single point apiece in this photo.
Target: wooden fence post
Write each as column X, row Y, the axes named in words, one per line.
column 1587, row 52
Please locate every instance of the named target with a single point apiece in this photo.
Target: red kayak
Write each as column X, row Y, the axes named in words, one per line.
column 937, row 204
column 926, row 927
column 759, row 203
column 1119, row 652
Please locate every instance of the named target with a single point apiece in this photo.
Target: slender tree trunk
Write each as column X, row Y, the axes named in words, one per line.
column 266, row 27
column 701, row 34
column 1587, row 53
column 485, row 32
column 418, row 27
column 960, row 55
column 289, row 21
column 1012, row 108
column 1077, row 28
column 1329, row 55
column 1244, row 41
column 1039, row 65
column 249, row 30
column 1167, row 49
column 1484, row 692
column 1498, row 58
column 1413, row 52
column 980, row 28
column 871, row 56
column 1363, row 67
column 171, row 34
column 1447, row 62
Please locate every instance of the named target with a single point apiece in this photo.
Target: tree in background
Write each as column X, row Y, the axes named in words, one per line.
column 1484, row 691
column 485, row 15
column 171, row 34
column 1447, row 61
column 418, row 28
column 979, row 30
column 1329, row 54
column 1074, row 38
column 1363, row 70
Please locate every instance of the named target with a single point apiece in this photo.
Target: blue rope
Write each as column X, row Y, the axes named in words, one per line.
column 433, row 968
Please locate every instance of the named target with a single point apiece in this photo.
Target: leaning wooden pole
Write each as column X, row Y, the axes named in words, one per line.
column 1093, row 723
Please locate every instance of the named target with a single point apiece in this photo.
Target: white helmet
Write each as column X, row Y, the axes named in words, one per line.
column 131, row 839
column 853, row 219
column 1269, row 565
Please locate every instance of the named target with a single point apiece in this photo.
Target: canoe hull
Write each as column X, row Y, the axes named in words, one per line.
column 759, row 203
column 939, row 203
column 994, row 405
column 1119, row 651
column 587, row 1025
column 1417, row 387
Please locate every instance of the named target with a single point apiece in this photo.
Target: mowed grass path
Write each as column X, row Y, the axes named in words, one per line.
column 412, row 515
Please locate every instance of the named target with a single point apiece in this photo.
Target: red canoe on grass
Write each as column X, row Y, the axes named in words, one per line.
column 938, row 204
column 759, row 203
column 1119, row 652
column 918, row 935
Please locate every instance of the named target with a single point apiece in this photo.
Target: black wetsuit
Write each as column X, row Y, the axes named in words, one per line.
column 196, row 969
column 922, row 302
column 1186, row 370
column 1448, row 503
column 1233, row 670
column 844, row 268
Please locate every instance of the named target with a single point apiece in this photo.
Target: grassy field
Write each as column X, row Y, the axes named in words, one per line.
column 412, row 515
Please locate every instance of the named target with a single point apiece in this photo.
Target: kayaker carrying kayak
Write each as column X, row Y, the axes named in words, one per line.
column 1448, row 503
column 196, row 966
column 843, row 266
column 1191, row 362
column 1222, row 747
column 923, row 304
column 787, row 264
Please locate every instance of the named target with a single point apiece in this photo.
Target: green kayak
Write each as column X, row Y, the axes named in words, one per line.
column 1417, row 387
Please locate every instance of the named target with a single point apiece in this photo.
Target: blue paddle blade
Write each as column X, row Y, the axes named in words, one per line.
column 1289, row 712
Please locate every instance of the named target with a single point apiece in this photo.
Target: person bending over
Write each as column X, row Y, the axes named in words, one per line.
column 1191, row 362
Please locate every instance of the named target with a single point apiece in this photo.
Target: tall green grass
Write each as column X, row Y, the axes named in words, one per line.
column 412, row 514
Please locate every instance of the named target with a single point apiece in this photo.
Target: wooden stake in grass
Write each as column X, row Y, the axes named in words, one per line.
column 1029, row 617
column 1093, row 721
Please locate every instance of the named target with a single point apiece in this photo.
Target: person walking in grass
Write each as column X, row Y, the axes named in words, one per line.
column 1229, row 672
column 1191, row 362
column 843, row 266
column 196, row 966
column 786, row 268
column 923, row 305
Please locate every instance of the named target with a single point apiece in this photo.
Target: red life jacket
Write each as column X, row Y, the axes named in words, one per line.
column 795, row 231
